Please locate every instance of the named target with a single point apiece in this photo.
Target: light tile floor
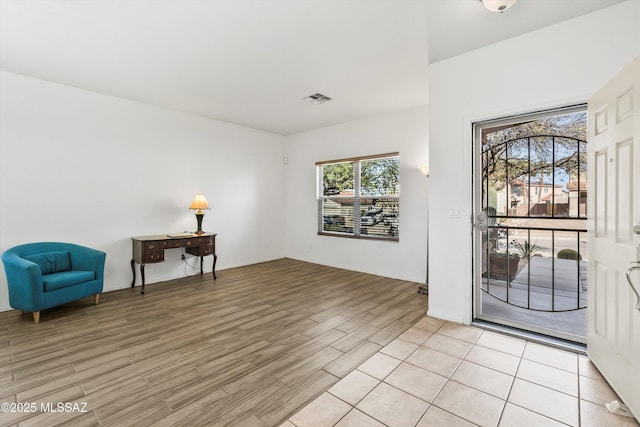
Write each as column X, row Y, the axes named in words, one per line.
column 443, row 374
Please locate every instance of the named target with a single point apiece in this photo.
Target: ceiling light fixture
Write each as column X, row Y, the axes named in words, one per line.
column 317, row 98
column 498, row 5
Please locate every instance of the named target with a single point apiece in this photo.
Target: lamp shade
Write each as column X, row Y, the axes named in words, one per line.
column 498, row 5
column 199, row 203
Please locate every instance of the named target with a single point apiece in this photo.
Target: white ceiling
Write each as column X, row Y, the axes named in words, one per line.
column 251, row 62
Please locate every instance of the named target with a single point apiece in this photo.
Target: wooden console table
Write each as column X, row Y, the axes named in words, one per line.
column 150, row 249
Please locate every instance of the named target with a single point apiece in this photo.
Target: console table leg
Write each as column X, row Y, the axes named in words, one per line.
column 142, row 277
column 133, row 270
column 215, row 259
column 201, row 264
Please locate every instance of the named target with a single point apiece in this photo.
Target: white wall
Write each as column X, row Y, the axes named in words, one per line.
column 555, row 66
column 404, row 132
column 92, row 169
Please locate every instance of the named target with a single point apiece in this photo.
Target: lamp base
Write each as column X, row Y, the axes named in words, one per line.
column 199, row 217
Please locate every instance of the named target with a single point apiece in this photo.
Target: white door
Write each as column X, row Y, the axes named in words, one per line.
column 613, row 332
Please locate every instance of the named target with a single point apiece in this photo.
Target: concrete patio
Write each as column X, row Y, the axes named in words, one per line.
column 543, row 284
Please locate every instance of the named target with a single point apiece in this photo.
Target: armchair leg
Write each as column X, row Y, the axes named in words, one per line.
column 36, row 317
column 96, row 297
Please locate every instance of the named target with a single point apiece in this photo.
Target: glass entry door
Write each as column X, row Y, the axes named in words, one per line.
column 530, row 198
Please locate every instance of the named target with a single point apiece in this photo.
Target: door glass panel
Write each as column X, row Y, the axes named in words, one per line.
column 532, row 257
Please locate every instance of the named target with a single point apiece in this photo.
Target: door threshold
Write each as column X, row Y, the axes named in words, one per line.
column 558, row 343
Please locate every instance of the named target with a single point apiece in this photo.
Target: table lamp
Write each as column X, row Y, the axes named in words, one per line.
column 199, row 203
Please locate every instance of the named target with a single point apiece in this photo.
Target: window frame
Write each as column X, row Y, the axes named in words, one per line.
column 357, row 198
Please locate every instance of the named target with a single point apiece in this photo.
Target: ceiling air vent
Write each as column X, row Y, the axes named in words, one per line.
column 317, row 98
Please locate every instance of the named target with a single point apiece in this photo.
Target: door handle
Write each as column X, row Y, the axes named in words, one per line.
column 635, row 291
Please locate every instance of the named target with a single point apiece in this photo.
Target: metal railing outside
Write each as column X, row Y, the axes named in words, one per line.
column 545, row 267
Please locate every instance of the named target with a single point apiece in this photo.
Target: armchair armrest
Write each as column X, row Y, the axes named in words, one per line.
column 88, row 259
column 24, row 280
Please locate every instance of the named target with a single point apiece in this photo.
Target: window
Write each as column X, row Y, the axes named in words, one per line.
column 359, row 197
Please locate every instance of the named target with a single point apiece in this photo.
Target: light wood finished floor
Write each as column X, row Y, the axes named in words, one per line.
column 249, row 350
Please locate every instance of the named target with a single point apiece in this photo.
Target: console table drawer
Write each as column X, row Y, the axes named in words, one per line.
column 205, row 241
column 150, row 256
column 174, row 243
column 200, row 250
column 152, row 245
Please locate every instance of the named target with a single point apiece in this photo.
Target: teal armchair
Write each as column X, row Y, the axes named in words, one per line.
column 47, row 274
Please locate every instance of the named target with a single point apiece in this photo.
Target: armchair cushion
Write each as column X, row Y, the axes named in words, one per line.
column 51, row 262
column 65, row 279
